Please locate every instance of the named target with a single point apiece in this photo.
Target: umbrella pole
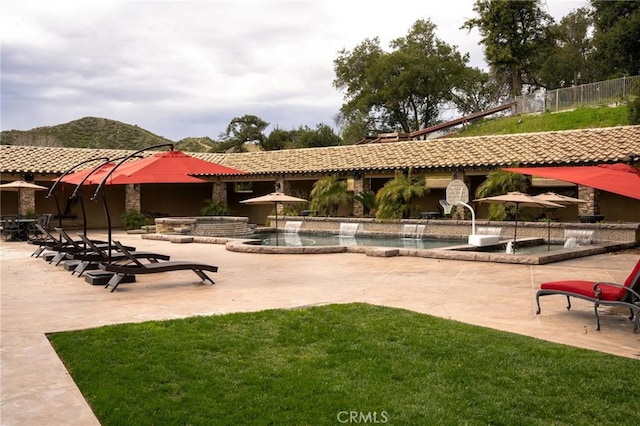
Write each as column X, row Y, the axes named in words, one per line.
column 549, row 231
column 106, row 213
column 84, row 217
column 515, row 230
column 277, row 242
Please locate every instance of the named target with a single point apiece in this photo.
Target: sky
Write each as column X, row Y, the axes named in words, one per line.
column 186, row 68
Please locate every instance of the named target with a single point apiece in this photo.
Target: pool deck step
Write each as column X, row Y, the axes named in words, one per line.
column 383, row 252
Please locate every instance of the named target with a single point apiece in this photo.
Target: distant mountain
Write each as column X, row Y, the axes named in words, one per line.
column 93, row 132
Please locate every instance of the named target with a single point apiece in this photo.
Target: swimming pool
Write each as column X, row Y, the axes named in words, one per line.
column 310, row 240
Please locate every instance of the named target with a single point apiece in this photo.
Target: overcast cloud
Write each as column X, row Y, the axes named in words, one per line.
column 186, row 68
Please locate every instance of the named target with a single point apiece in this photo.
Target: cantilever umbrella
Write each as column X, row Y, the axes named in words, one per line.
column 162, row 167
column 166, row 167
column 90, row 176
column 275, row 198
column 20, row 185
column 618, row 178
column 519, row 199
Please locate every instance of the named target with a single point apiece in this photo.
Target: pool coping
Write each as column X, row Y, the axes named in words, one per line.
column 463, row 252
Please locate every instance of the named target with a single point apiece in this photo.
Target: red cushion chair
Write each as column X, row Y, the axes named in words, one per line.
column 600, row 293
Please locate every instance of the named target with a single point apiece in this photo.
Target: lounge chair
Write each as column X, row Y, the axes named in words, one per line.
column 625, row 295
column 44, row 240
column 133, row 266
column 72, row 247
column 98, row 254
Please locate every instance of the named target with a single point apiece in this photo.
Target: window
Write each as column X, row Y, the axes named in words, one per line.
column 243, row 187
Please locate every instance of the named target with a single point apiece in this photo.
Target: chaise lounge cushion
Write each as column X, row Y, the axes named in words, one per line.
column 584, row 288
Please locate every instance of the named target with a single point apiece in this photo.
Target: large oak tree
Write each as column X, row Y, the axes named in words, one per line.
column 400, row 90
column 516, row 38
column 616, row 37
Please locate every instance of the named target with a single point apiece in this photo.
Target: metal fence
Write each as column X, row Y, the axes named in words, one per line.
column 600, row 93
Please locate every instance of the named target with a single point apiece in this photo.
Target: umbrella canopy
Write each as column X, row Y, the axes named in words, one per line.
column 20, row 185
column 90, row 176
column 618, row 178
column 519, row 199
column 559, row 199
column 275, row 198
column 166, row 167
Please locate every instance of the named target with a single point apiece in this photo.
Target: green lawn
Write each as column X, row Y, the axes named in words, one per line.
column 546, row 122
column 319, row 366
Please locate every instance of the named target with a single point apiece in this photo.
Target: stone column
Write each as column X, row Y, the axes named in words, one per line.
column 132, row 197
column 592, row 198
column 281, row 185
column 27, row 201
column 358, row 187
column 460, row 211
column 219, row 192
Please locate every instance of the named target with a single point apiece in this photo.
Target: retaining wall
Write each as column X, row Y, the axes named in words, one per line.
column 447, row 228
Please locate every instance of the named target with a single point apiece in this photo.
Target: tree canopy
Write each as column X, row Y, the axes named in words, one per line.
column 303, row 137
column 516, row 38
column 616, row 37
column 570, row 62
column 400, row 90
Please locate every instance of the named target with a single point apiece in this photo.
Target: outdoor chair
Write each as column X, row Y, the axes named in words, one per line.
column 71, row 247
column 133, row 266
column 11, row 228
column 625, row 295
column 44, row 220
column 97, row 254
column 42, row 238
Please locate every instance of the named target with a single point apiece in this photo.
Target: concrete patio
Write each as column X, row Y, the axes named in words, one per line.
column 39, row 298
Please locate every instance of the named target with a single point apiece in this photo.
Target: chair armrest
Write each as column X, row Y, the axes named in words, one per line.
column 598, row 291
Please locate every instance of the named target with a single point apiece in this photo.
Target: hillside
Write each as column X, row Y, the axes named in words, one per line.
column 93, row 132
column 581, row 118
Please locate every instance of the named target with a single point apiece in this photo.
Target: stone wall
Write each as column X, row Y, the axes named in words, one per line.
column 207, row 226
column 435, row 228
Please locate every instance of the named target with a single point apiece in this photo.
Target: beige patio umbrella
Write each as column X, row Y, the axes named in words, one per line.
column 559, row 199
column 18, row 186
column 519, row 199
column 275, row 198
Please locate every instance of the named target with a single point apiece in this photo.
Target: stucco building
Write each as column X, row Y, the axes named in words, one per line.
column 364, row 167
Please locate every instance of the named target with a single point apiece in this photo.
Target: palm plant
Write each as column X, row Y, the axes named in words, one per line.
column 368, row 201
column 500, row 182
column 394, row 198
column 328, row 195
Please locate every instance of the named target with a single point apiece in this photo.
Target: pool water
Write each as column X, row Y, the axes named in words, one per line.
column 302, row 240
column 289, row 239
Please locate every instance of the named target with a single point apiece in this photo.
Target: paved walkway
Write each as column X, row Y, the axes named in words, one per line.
column 38, row 298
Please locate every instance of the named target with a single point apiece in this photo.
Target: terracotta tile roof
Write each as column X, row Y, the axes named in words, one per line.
column 570, row 147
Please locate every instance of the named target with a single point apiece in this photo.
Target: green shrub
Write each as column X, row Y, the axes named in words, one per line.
column 133, row 219
column 634, row 110
column 215, row 208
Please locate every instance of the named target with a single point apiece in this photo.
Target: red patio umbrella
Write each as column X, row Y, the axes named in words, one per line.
column 90, row 176
column 618, row 178
column 165, row 167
